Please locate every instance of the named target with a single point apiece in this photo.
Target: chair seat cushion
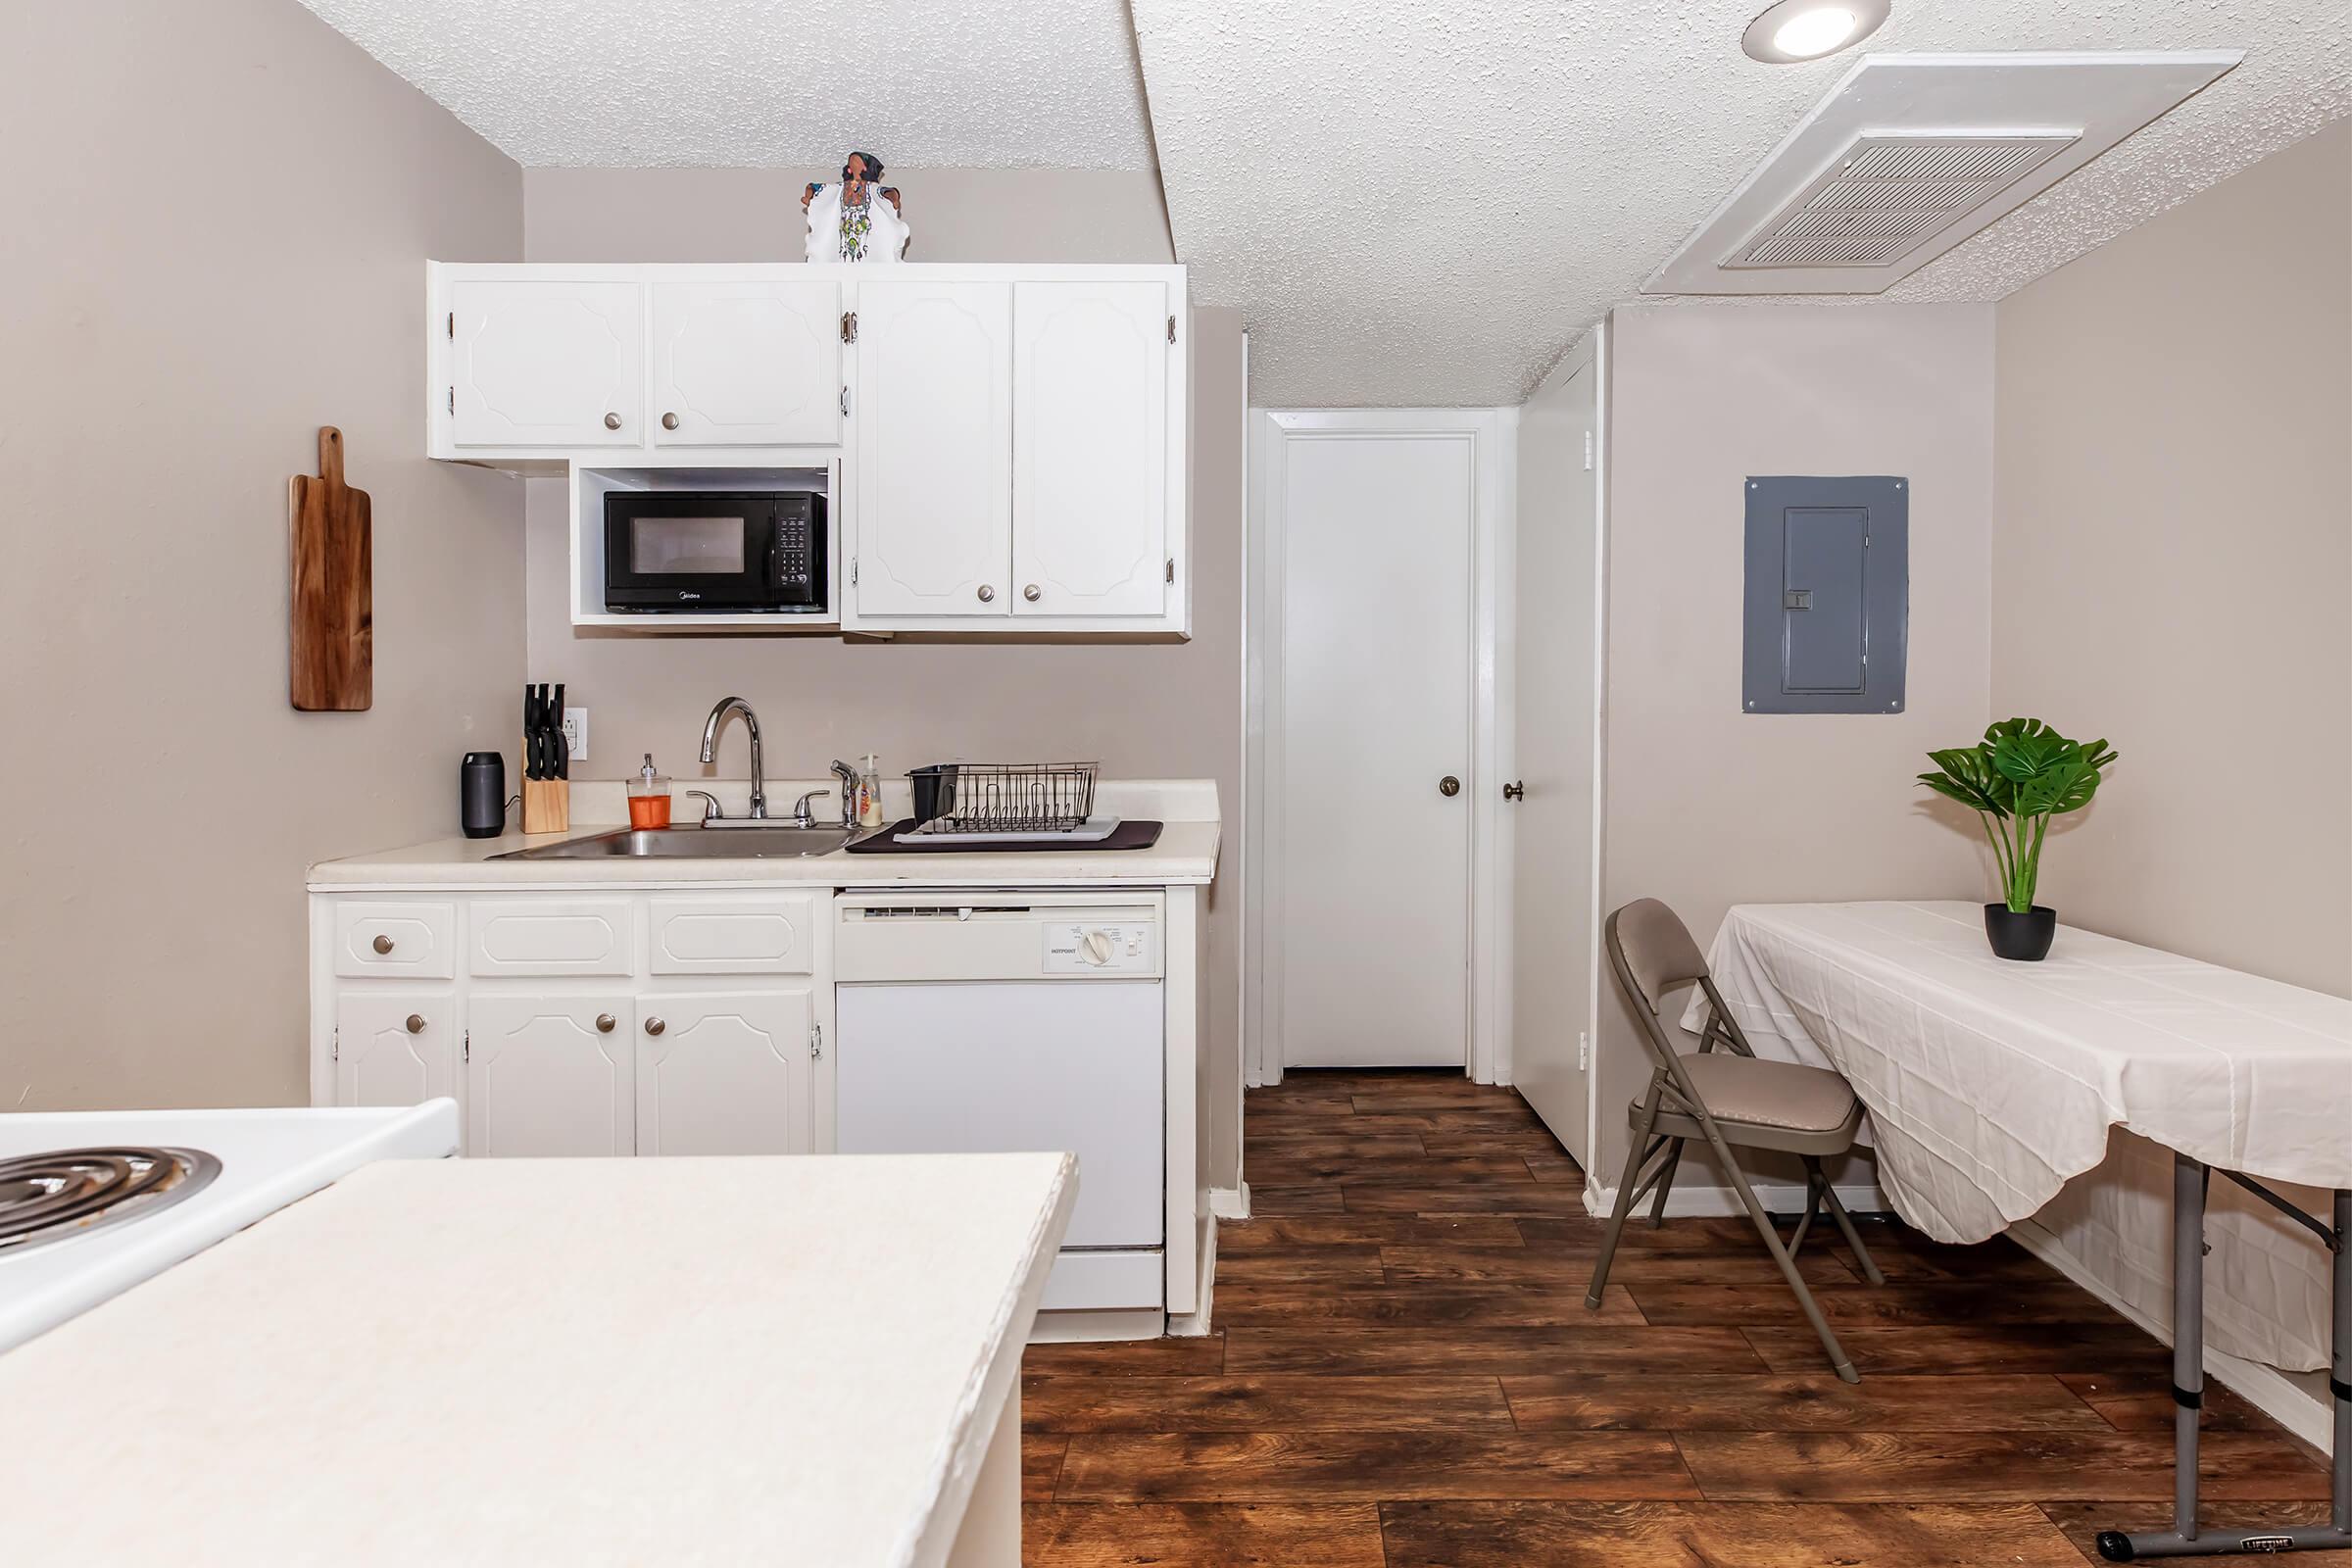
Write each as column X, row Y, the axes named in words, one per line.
column 1770, row 1094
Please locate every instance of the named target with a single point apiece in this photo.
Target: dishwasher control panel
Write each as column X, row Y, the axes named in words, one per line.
column 1107, row 949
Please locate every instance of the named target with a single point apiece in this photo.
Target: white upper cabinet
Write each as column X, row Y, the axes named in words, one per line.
column 933, row 488
column 751, row 362
column 1090, row 448
column 545, row 363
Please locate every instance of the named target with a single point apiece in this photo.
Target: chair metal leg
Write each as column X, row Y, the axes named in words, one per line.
column 1657, row 1205
column 1853, row 1237
column 1625, row 1189
column 1838, row 1362
column 1804, row 1226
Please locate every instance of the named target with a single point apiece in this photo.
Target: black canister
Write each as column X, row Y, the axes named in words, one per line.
column 482, row 793
column 934, row 791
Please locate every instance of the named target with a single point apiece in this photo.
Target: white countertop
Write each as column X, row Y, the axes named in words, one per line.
column 1185, row 855
column 579, row 1361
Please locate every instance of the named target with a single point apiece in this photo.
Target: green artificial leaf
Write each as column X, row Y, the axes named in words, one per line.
column 1967, row 776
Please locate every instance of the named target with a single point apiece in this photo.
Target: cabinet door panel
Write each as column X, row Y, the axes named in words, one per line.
column 542, row 1079
column 727, row 1075
column 547, row 364
column 748, row 364
column 379, row 1060
column 934, row 415
column 1090, row 477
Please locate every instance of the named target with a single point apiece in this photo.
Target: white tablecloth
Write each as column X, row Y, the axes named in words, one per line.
column 1992, row 1084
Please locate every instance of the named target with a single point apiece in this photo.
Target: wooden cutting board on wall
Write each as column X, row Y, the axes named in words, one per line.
column 333, row 641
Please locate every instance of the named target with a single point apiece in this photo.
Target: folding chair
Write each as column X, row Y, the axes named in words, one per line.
column 1732, row 1099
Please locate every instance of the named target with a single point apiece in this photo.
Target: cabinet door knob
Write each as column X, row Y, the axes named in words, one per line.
column 415, row 1024
column 670, row 421
column 382, row 943
column 604, row 1023
column 1514, row 791
column 986, row 593
column 1030, row 593
column 611, row 421
column 1449, row 786
column 654, row 1027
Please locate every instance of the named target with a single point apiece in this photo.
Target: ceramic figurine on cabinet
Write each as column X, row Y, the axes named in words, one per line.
column 846, row 223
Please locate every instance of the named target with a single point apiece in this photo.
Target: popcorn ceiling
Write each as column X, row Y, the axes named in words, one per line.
column 1410, row 200
column 772, row 83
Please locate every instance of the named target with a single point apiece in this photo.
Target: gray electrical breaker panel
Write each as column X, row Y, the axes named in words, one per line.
column 1827, row 608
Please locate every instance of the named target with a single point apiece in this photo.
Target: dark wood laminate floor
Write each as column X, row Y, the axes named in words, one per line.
column 1404, row 1375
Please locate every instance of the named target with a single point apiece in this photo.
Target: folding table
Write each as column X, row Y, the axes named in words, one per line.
column 1990, row 1084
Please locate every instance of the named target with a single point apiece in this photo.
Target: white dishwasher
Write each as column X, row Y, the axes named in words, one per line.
column 1005, row 1022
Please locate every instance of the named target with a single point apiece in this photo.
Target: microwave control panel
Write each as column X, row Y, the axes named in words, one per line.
column 1124, row 949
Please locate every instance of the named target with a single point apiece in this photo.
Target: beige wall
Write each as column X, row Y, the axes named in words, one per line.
column 1152, row 710
column 1707, row 806
column 2172, row 561
column 212, row 235
column 753, row 214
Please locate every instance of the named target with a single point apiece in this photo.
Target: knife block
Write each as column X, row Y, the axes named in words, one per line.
column 546, row 805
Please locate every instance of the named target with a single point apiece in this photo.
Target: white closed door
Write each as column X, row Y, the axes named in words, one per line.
column 549, row 1075
column 395, row 1049
column 934, row 414
column 747, row 364
column 1369, row 805
column 1090, row 449
column 724, row 1074
column 547, row 362
column 1555, row 955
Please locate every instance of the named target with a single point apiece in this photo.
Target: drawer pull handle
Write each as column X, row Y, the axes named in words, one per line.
column 604, row 1023
column 382, row 943
column 654, row 1027
column 415, row 1024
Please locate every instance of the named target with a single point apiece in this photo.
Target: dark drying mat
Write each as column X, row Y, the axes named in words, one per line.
column 1130, row 835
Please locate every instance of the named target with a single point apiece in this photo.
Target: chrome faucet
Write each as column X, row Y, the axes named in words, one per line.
column 750, row 720
column 849, row 792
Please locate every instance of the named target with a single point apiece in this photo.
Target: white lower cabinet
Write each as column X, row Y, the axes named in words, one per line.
column 549, row 1075
column 395, row 1049
column 727, row 1074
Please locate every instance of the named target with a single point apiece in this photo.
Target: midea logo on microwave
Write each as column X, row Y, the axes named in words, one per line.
column 688, row 593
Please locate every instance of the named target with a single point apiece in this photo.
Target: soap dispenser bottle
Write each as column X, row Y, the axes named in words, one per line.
column 869, row 792
column 649, row 798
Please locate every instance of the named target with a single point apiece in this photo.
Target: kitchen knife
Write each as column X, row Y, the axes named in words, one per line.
column 558, row 746
column 530, row 732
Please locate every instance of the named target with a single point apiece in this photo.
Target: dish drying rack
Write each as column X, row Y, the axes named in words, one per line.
column 1016, row 799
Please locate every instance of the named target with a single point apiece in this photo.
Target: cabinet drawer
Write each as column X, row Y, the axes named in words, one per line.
column 554, row 936
column 767, row 935
column 389, row 940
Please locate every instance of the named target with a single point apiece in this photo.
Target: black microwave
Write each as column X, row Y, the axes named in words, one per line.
column 716, row 550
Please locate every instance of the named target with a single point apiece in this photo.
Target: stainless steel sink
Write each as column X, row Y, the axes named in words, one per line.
column 779, row 842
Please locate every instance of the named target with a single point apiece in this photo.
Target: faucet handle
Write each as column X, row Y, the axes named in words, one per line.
column 713, row 811
column 801, row 817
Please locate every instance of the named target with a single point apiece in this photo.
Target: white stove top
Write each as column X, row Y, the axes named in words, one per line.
column 269, row 1159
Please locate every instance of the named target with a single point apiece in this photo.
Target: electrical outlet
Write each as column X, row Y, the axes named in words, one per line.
column 575, row 733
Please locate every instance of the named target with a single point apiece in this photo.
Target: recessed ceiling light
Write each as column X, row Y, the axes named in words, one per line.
column 1807, row 29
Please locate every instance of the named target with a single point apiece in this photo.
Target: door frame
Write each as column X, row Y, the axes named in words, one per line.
column 1491, row 435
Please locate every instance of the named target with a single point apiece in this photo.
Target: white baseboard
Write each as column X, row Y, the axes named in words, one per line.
column 1718, row 1203
column 1230, row 1202
column 1195, row 1324
column 2305, row 1414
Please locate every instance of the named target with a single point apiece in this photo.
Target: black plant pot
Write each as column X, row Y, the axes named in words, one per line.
column 2023, row 937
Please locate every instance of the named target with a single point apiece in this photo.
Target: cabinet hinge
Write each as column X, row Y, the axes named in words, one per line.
column 453, row 324
column 852, row 572
column 1171, row 569
column 816, row 1041
column 453, row 399
column 1172, row 329
column 334, row 1046
column 1587, row 451
column 1583, row 1051
column 466, row 1046
column 845, row 402
column 848, row 327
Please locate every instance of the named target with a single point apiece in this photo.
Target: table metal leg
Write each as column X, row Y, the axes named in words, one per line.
column 2184, row 1540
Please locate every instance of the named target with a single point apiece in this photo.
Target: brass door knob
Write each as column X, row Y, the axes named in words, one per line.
column 654, row 1027
column 1514, row 791
column 611, row 421
column 670, row 421
column 415, row 1024
column 1449, row 786
column 382, row 943
column 604, row 1023
column 988, row 594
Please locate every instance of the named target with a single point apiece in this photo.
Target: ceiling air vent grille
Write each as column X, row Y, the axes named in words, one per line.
column 1888, row 195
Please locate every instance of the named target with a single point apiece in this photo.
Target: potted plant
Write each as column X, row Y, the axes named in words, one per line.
column 2018, row 776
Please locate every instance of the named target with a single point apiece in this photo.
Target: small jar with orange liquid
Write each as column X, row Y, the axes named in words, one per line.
column 649, row 798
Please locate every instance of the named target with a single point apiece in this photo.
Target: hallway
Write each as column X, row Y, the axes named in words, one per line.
column 1403, row 1375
